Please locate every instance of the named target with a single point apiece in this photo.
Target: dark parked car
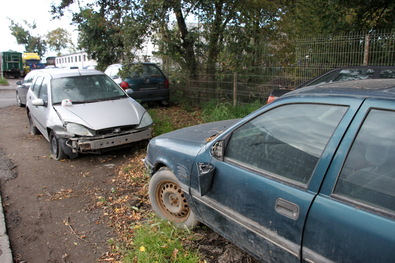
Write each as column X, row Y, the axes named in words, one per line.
column 307, row 178
column 148, row 82
column 342, row 74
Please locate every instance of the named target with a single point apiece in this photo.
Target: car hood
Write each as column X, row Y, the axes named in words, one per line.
column 200, row 134
column 102, row 114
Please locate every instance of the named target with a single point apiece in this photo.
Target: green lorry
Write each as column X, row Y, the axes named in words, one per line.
column 11, row 64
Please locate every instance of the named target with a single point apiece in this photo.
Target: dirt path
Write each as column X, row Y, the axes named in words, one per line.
column 49, row 205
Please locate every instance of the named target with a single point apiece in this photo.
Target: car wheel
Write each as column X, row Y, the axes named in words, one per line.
column 168, row 200
column 18, row 101
column 57, row 151
column 33, row 129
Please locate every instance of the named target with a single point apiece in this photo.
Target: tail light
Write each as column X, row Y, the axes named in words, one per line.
column 271, row 99
column 167, row 84
column 124, row 85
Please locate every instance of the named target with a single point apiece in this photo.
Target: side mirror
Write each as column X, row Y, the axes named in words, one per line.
column 19, row 83
column 205, row 177
column 217, row 151
column 38, row 102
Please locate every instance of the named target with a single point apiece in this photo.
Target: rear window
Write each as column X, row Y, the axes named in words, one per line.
column 387, row 74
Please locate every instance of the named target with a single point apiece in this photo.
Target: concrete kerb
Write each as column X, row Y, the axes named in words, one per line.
column 5, row 249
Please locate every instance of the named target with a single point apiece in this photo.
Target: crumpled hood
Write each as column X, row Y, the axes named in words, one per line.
column 102, row 114
column 184, row 144
column 199, row 134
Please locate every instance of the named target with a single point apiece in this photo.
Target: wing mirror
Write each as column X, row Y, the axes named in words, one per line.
column 217, row 151
column 38, row 102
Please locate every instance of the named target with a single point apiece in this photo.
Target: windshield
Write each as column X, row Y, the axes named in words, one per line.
column 83, row 89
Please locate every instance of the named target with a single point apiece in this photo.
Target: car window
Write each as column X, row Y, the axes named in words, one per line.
column 324, row 79
column 387, row 74
column 368, row 175
column 43, row 90
column 115, row 72
column 287, row 141
column 85, row 89
column 354, row 74
column 29, row 78
column 152, row 71
column 108, row 71
column 37, row 84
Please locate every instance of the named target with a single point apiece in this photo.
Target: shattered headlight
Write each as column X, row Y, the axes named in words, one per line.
column 146, row 120
column 78, row 129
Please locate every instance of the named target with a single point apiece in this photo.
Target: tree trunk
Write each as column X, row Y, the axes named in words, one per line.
column 187, row 42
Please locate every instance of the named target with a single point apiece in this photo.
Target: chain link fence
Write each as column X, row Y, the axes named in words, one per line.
column 312, row 58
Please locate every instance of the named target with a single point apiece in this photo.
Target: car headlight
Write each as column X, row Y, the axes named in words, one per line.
column 78, row 129
column 146, row 120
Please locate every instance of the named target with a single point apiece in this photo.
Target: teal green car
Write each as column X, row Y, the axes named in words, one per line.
column 307, row 178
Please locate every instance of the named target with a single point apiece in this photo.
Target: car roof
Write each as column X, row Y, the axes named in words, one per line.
column 364, row 67
column 339, row 69
column 57, row 73
column 133, row 63
column 374, row 88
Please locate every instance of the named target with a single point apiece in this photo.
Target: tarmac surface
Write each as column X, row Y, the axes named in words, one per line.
column 7, row 98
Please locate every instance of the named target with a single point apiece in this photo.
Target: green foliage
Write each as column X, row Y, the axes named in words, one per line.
column 160, row 242
column 215, row 111
column 99, row 36
column 162, row 124
column 321, row 17
column 58, row 39
column 34, row 44
column 225, row 35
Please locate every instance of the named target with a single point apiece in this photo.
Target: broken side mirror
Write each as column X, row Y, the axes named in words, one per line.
column 217, row 150
column 206, row 173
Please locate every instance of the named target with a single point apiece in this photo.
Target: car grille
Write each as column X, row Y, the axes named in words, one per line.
column 116, row 130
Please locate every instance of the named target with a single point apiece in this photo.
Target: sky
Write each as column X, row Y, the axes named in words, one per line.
column 30, row 10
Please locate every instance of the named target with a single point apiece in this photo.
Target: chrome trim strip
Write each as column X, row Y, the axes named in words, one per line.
column 312, row 257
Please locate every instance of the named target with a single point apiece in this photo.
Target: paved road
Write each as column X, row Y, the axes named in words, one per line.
column 7, row 93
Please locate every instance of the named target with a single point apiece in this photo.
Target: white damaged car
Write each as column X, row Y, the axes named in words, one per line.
column 84, row 111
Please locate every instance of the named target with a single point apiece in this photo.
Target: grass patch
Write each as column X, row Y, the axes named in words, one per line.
column 3, row 81
column 159, row 242
column 215, row 111
column 162, row 123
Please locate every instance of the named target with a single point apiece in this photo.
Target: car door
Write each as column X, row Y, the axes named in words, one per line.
column 39, row 113
column 352, row 219
column 258, row 195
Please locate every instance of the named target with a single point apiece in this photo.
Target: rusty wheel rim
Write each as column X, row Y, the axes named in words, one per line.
column 172, row 201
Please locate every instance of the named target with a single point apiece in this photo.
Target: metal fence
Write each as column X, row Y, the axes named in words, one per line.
column 312, row 58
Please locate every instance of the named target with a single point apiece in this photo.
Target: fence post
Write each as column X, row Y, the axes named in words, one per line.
column 234, row 89
column 366, row 51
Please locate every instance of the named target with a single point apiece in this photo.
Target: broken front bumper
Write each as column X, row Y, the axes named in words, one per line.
column 94, row 144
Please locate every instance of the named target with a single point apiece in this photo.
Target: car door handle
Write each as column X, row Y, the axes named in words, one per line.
column 287, row 208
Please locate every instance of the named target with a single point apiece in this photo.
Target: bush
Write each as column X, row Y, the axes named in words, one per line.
column 3, row 81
